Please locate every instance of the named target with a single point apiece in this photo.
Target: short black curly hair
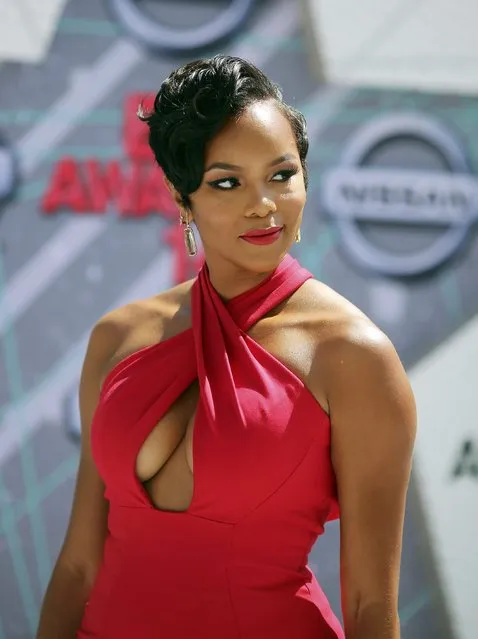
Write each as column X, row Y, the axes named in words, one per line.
column 195, row 102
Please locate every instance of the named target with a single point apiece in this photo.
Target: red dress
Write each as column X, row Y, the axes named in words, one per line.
column 234, row 565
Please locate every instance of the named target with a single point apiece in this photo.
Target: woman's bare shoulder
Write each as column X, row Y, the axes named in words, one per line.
column 329, row 312
column 351, row 351
column 123, row 319
column 142, row 322
column 340, row 328
column 345, row 333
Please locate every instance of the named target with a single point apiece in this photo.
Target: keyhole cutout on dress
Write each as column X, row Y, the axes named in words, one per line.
column 165, row 461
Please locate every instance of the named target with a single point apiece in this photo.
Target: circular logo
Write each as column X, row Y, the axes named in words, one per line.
column 403, row 196
column 8, row 172
column 149, row 32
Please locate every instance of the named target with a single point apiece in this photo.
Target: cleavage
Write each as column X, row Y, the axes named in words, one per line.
column 164, row 463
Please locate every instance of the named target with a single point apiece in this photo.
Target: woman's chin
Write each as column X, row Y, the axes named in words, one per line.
column 248, row 257
column 263, row 261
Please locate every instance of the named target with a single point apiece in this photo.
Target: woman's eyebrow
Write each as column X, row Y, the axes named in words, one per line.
column 223, row 165
column 235, row 167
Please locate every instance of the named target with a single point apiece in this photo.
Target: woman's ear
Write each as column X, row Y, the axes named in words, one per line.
column 184, row 211
column 174, row 193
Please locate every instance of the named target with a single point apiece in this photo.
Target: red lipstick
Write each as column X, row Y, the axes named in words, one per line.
column 262, row 236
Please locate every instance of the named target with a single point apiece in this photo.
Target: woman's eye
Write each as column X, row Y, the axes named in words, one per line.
column 229, row 183
column 284, row 175
column 225, row 184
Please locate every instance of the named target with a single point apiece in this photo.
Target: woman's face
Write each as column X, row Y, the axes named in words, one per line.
column 253, row 180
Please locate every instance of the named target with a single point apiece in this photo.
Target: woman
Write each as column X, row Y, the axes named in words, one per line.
column 225, row 419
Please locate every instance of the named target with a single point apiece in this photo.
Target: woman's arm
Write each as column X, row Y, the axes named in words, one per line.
column 75, row 569
column 373, row 421
column 80, row 556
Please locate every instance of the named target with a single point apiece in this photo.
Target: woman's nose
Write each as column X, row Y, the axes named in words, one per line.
column 262, row 206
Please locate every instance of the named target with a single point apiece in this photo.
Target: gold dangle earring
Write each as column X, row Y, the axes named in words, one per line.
column 189, row 239
column 297, row 236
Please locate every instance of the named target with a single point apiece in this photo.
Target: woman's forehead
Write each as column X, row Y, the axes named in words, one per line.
column 262, row 127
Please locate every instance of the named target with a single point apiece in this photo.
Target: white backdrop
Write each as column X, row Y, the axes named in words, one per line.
column 446, row 467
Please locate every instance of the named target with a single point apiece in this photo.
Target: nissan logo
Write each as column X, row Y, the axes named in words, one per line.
column 360, row 196
column 154, row 35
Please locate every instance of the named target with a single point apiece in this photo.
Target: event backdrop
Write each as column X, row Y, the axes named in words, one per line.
column 86, row 226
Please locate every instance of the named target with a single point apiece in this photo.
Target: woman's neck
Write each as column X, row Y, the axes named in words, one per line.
column 230, row 280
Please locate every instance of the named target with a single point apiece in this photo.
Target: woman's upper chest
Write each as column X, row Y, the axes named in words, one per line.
column 294, row 340
column 291, row 333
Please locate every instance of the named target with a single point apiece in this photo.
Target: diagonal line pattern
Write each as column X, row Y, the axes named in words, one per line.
column 87, row 90
column 117, row 63
column 24, row 289
column 36, row 276
column 14, row 380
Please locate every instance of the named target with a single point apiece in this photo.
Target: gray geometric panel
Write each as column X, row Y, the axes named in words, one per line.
column 61, row 272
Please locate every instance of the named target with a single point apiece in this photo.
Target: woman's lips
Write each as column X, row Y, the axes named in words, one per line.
column 263, row 236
